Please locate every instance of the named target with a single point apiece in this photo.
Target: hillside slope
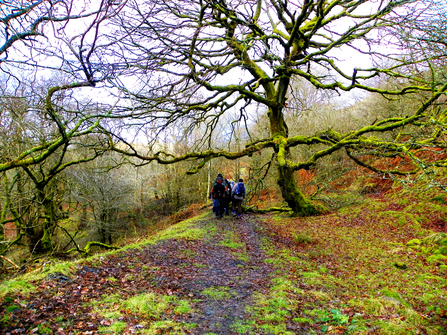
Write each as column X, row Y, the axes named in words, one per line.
column 349, row 272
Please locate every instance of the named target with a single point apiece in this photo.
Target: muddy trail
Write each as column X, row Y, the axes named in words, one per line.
column 214, row 278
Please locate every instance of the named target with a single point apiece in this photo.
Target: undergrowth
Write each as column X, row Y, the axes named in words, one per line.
column 377, row 267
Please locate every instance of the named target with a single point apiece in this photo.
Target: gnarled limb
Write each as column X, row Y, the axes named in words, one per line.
column 86, row 250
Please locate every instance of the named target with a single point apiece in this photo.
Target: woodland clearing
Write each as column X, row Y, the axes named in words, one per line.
column 377, row 267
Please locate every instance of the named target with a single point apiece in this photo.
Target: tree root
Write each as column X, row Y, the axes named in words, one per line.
column 86, row 250
column 10, row 262
column 251, row 209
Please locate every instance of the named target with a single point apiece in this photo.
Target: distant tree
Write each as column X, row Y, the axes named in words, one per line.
column 106, row 192
column 192, row 62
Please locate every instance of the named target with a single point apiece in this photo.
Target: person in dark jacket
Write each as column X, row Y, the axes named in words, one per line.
column 225, row 207
column 218, row 195
column 227, row 198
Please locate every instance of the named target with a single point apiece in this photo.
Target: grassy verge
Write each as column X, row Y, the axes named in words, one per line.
column 371, row 268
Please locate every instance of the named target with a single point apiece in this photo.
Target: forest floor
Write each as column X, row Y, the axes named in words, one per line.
column 349, row 272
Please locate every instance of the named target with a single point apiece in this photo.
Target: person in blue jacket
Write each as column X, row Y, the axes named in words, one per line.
column 238, row 193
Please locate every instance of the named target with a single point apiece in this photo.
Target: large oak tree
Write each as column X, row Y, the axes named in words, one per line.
column 190, row 62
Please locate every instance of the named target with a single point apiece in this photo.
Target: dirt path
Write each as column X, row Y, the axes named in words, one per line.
column 217, row 275
column 242, row 276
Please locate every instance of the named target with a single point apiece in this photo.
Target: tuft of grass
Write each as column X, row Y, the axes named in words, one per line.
column 218, row 292
column 358, row 326
column 231, row 241
column 394, row 296
column 436, row 259
column 116, row 328
column 303, row 237
column 271, row 311
column 242, row 256
column 435, row 238
column 392, row 328
column 439, row 199
column 413, row 318
column 16, row 286
column 242, row 327
column 320, row 295
column 183, row 307
column 302, row 320
column 181, row 230
column 150, row 306
column 154, row 306
column 373, row 306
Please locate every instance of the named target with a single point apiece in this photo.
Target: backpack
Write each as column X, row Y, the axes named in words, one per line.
column 240, row 189
column 226, row 183
column 218, row 191
column 215, row 181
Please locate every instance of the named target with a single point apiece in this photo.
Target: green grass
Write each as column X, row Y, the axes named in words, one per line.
column 157, row 310
column 218, row 292
column 181, row 230
column 231, row 241
column 304, row 237
column 16, row 286
column 353, row 253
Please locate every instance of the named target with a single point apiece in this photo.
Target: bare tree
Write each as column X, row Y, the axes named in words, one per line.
column 34, row 192
column 192, row 62
column 60, row 40
column 106, row 192
column 50, row 63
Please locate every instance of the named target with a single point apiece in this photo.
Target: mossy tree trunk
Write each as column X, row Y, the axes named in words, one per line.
column 48, row 211
column 41, row 234
column 296, row 199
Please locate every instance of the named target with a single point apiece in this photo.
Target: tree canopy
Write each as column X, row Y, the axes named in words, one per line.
column 190, row 64
column 194, row 61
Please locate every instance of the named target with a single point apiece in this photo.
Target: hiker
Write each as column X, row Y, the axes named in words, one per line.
column 218, row 194
column 227, row 198
column 231, row 200
column 238, row 192
column 225, row 183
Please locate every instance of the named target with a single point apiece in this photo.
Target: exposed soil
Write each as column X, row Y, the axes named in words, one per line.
column 180, row 267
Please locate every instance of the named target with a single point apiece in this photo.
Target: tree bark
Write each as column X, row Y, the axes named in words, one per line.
column 41, row 232
column 296, row 199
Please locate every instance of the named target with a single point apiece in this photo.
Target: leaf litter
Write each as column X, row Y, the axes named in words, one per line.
column 342, row 273
column 173, row 267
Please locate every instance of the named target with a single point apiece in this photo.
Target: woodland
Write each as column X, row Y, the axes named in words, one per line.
column 117, row 115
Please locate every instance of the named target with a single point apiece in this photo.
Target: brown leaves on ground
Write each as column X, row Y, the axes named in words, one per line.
column 180, row 267
column 346, row 272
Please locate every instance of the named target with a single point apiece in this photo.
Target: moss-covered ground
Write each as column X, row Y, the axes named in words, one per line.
column 377, row 267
